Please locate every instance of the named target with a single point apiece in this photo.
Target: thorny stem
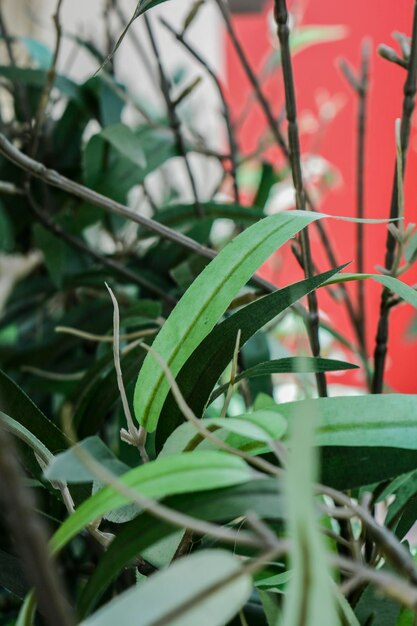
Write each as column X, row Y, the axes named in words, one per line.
column 226, row 110
column 410, row 87
column 281, row 17
column 174, row 120
column 29, row 534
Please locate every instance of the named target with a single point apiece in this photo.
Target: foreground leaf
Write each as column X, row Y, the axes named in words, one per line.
column 375, row 420
column 184, row 473
column 310, row 599
column 286, row 365
column 202, row 370
column 205, row 301
column 221, row 505
column 206, row 588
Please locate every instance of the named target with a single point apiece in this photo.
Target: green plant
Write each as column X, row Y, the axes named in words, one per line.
column 215, row 503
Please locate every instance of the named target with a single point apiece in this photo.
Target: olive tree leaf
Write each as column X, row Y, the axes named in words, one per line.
column 205, row 301
column 207, row 588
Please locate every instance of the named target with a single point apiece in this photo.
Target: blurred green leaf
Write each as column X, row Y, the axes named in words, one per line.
column 172, row 475
column 205, row 588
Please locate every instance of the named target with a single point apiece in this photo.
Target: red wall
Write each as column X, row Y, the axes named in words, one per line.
column 316, row 68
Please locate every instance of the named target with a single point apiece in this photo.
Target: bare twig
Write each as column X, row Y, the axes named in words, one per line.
column 133, row 436
column 226, row 110
column 281, row 18
column 174, row 120
column 105, row 261
column 407, row 112
column 17, row 86
column 360, row 85
column 53, row 178
column 50, row 79
column 273, row 125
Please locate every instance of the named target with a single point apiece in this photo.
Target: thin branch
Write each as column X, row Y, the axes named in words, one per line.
column 53, row 178
column 133, row 436
column 234, row 150
column 410, row 87
column 29, row 534
column 174, row 120
column 78, row 244
column 361, row 87
column 50, row 79
column 264, row 104
column 17, row 86
column 75, row 332
column 164, row 513
column 281, row 17
column 278, row 137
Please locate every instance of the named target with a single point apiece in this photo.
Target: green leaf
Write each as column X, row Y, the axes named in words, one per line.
column 260, row 426
column 16, row 404
column 205, row 301
column 374, row 420
column 124, row 139
column 118, row 158
column 41, row 54
column 68, row 467
column 408, row 294
column 55, row 253
column 38, row 77
column 208, row 587
column 180, row 214
column 205, row 366
column 410, row 251
column 310, row 599
column 171, row 475
column 375, row 608
column 287, row 365
column 134, row 538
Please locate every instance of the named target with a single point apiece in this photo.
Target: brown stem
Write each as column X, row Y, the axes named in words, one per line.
column 281, row 18
column 410, row 87
column 361, row 87
column 278, row 137
column 50, row 79
column 78, row 244
column 226, row 110
column 53, row 178
column 174, row 120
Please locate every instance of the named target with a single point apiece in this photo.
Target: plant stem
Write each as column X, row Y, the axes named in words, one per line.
column 172, row 115
column 360, row 85
column 278, row 137
column 410, row 87
column 281, row 17
column 53, row 178
column 78, row 244
column 25, row 527
column 50, row 79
